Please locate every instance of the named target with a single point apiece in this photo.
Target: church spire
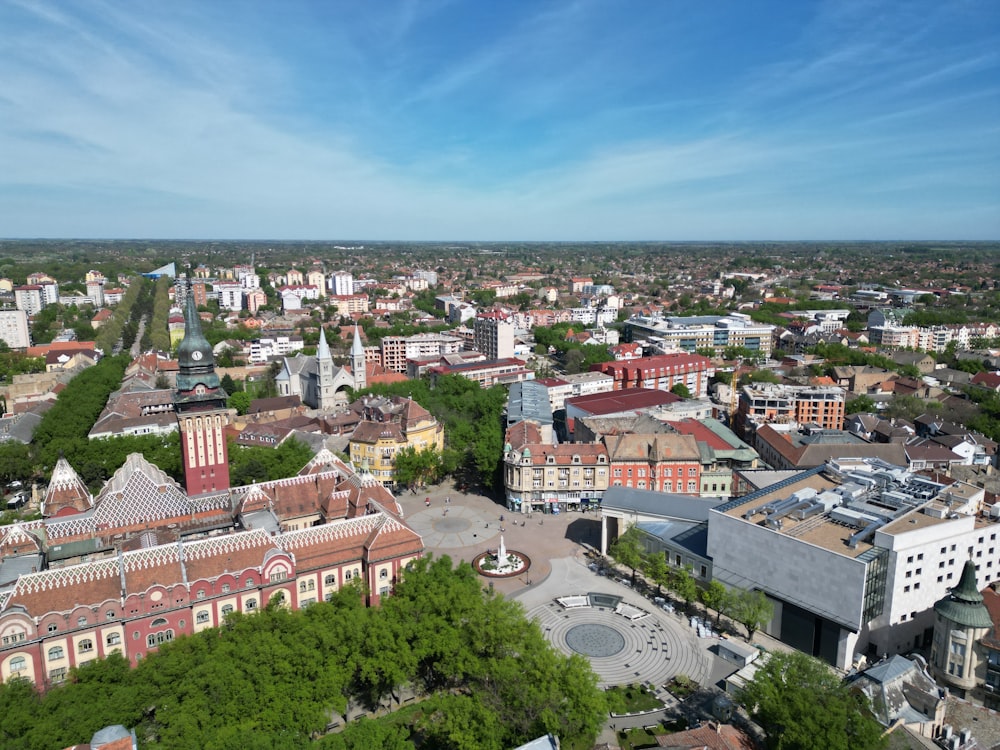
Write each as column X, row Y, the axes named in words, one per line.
column 358, row 361
column 323, row 350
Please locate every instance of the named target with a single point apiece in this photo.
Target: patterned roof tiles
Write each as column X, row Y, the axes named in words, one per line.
column 66, row 491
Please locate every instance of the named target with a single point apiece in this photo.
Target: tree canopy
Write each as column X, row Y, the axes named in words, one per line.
column 801, row 704
column 484, row 677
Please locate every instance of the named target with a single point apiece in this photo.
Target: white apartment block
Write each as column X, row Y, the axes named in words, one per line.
column 342, row 283
column 14, row 329
column 259, row 351
column 702, row 332
column 249, row 280
column 230, row 296
column 430, row 277
column 29, row 298
column 594, row 315
column 50, row 292
column 493, row 335
column 95, row 290
column 396, row 350
column 854, row 554
column 930, row 339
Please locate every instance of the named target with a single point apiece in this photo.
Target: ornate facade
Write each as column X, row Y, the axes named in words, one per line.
column 147, row 563
column 388, row 425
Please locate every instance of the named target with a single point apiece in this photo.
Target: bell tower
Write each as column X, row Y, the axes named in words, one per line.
column 200, row 404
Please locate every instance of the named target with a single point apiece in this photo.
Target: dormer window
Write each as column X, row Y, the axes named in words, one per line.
column 550, row 459
column 576, row 459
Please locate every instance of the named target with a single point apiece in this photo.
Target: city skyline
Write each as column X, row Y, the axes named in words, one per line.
column 576, row 121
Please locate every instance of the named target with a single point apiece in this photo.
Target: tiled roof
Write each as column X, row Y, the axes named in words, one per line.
column 372, row 432
column 140, row 492
column 66, row 491
column 657, row 447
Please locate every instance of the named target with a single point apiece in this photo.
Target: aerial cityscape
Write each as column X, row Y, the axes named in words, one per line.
column 557, row 375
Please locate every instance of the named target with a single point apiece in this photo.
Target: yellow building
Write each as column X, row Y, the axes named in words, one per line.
column 387, row 426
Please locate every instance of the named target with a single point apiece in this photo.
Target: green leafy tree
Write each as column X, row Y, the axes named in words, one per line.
column 416, row 468
column 679, row 389
column 684, row 585
column 16, row 463
column 240, row 400
column 656, row 569
column 228, row 384
column 860, row 405
column 752, row 610
column 802, row 704
column 716, row 596
column 627, row 550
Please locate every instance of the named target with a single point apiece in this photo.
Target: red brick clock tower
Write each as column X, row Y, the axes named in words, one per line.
column 200, row 404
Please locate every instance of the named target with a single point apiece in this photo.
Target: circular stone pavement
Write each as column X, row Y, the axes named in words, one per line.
column 592, row 639
column 452, row 525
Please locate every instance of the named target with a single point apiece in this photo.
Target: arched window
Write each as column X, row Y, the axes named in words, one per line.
column 56, row 652
column 18, row 664
column 113, row 639
column 250, row 605
column 81, row 620
column 384, row 573
column 201, row 617
column 158, row 622
column 85, row 646
column 302, row 586
column 227, row 609
column 330, row 580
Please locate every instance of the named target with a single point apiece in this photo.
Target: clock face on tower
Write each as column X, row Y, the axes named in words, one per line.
column 196, row 356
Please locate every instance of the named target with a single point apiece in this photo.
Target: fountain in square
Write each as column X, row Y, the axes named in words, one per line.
column 502, row 562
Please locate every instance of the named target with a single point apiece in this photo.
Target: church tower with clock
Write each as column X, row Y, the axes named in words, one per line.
column 200, row 404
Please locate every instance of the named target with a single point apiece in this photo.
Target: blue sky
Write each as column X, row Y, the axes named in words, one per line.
column 514, row 120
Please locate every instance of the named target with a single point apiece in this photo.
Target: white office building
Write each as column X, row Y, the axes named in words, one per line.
column 14, row 328
column 853, row 555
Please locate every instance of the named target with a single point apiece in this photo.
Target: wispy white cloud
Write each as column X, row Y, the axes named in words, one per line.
column 165, row 120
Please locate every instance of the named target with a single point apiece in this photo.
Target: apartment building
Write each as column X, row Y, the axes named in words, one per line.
column 664, row 462
column 661, row 372
column 29, row 298
column 766, row 403
column 350, row 304
column 388, row 425
column 341, row 283
column 540, row 477
column 230, row 296
column 396, row 350
column 493, row 335
column 14, row 329
column 487, row 373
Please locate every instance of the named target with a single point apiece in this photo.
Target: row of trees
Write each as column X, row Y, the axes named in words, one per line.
column 157, row 335
column 483, row 676
column 113, row 329
column 749, row 608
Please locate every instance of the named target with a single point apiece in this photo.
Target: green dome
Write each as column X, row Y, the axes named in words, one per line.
column 964, row 604
column 195, row 361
